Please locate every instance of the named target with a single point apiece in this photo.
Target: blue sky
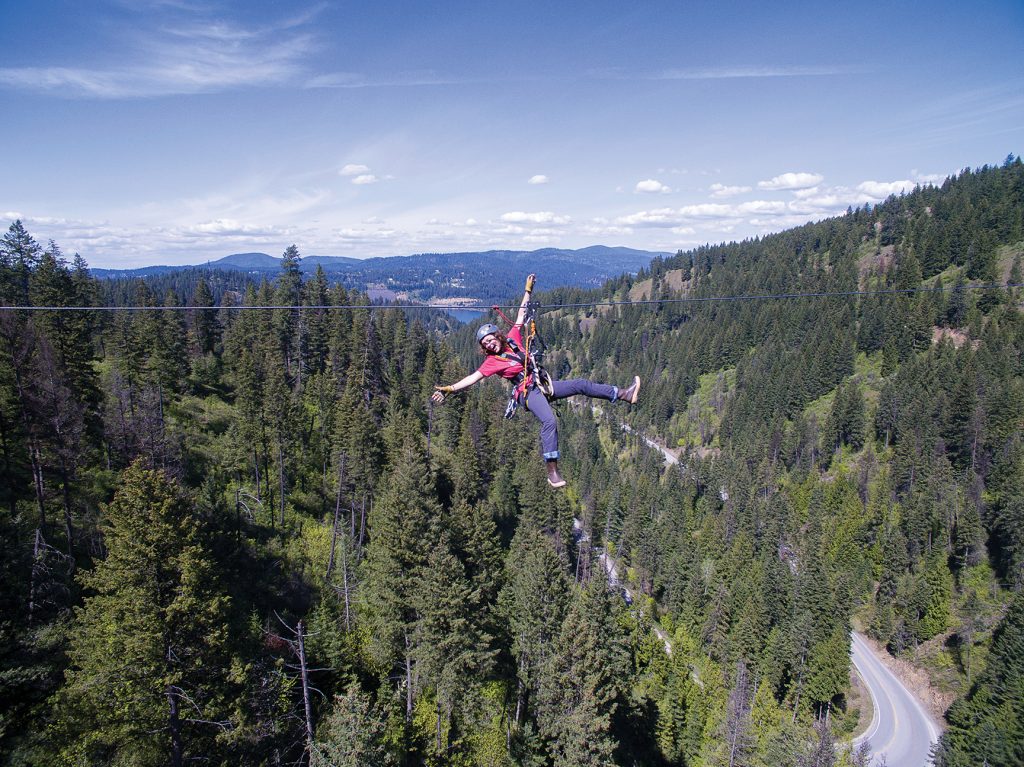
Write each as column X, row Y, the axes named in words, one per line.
column 176, row 131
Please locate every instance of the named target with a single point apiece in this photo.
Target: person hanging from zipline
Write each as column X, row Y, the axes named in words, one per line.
column 509, row 356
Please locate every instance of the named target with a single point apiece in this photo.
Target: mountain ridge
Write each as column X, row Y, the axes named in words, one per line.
column 257, row 260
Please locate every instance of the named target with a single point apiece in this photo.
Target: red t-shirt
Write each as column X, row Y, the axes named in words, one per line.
column 507, row 364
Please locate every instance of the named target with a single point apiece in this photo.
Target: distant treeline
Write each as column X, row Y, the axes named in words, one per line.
column 489, row 277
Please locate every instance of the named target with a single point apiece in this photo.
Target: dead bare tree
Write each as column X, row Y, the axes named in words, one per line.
column 296, row 641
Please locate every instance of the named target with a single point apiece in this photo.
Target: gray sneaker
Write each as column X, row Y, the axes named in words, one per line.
column 631, row 394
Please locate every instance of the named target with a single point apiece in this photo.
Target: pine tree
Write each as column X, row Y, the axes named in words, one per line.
column 403, row 532
column 149, row 652
column 534, row 601
column 940, row 593
column 19, row 255
column 453, row 651
column 204, row 320
column 353, row 734
column 579, row 686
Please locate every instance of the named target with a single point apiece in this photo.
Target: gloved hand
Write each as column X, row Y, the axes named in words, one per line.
column 530, row 280
column 439, row 392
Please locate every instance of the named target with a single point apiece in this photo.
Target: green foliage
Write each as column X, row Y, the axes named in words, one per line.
column 353, row 735
column 987, row 725
column 835, row 460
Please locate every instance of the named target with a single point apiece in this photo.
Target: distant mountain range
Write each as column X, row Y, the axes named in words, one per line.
column 484, row 275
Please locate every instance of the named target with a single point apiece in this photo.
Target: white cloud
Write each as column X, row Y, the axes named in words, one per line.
column 833, row 200
column 706, row 210
column 660, row 217
column 366, row 178
column 602, row 229
column 792, row 181
column 721, row 190
column 879, row 190
column 543, row 217
column 538, row 179
column 803, row 194
column 650, row 186
column 352, row 169
column 762, row 207
column 669, row 217
column 228, row 226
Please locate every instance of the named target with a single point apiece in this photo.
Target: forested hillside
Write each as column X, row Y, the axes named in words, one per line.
column 244, row 536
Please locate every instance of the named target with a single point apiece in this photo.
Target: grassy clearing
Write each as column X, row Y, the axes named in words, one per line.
column 1005, row 255
column 704, row 408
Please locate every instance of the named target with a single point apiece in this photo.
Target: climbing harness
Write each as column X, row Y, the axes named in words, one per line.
column 541, row 379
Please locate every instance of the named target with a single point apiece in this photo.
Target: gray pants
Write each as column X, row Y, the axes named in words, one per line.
column 537, row 404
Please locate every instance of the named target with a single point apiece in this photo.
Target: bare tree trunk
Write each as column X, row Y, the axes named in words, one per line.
column 305, row 687
column 174, row 725
column 36, row 558
column 519, row 701
column 256, row 468
column 408, row 680
column 334, row 533
column 344, row 583
column 37, row 479
column 280, row 474
column 337, row 512
column 160, row 409
column 4, row 429
column 362, row 523
column 68, row 527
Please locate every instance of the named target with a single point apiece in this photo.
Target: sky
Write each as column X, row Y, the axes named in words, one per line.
column 142, row 132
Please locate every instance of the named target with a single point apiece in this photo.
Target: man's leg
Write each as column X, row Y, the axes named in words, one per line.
column 587, row 388
column 538, row 405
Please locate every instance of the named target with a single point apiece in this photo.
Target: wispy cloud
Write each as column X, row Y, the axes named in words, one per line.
column 199, row 56
column 538, row 179
column 396, row 80
column 756, row 71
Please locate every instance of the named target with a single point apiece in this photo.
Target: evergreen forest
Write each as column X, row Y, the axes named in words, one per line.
column 235, row 535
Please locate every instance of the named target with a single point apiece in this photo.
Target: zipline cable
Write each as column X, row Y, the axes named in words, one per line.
column 489, row 307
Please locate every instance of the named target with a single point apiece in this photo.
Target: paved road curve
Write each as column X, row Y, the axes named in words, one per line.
column 901, row 729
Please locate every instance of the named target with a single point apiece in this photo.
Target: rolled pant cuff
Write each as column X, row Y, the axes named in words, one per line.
column 552, row 456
